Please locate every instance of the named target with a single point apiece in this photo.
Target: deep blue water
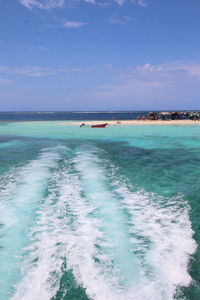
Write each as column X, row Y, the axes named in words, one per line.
column 56, row 116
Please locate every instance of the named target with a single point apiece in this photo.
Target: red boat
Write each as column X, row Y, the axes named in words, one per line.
column 100, row 125
column 94, row 126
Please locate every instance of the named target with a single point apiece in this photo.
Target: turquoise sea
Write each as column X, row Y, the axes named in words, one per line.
column 99, row 213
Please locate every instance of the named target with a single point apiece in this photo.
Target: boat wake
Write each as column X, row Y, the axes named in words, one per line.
column 118, row 243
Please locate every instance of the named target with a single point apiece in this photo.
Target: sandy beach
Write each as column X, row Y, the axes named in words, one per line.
column 137, row 122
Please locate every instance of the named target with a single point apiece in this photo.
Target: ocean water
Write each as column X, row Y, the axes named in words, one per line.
column 99, row 213
column 66, row 115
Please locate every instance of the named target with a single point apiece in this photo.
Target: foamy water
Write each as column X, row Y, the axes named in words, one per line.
column 118, row 244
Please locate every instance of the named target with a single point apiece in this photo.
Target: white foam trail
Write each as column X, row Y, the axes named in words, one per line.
column 140, row 255
column 18, row 200
column 57, row 235
column 162, row 231
column 70, row 227
column 113, row 220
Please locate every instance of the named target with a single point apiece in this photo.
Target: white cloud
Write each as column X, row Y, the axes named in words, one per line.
column 73, row 24
column 33, row 71
column 117, row 20
column 164, row 86
column 90, row 1
column 78, row 70
column 4, row 81
column 66, row 24
column 74, row 70
column 120, row 2
column 176, row 69
column 42, row 4
column 190, row 70
column 50, row 4
column 27, row 71
column 139, row 2
column 167, row 71
column 193, row 71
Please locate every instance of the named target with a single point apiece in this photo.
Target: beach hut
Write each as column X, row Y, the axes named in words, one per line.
column 153, row 115
column 174, row 115
column 165, row 115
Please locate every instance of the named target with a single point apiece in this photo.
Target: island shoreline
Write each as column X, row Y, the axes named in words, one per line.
column 135, row 122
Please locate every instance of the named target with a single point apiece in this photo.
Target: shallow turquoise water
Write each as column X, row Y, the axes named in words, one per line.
column 107, row 213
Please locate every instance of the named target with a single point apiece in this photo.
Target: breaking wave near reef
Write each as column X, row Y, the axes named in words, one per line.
column 82, row 231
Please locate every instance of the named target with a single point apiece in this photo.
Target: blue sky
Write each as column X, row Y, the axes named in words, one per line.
column 99, row 54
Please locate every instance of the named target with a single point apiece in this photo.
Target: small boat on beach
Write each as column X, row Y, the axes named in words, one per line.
column 99, row 125
column 95, row 126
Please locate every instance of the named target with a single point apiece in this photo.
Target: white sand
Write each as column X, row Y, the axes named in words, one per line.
column 136, row 122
